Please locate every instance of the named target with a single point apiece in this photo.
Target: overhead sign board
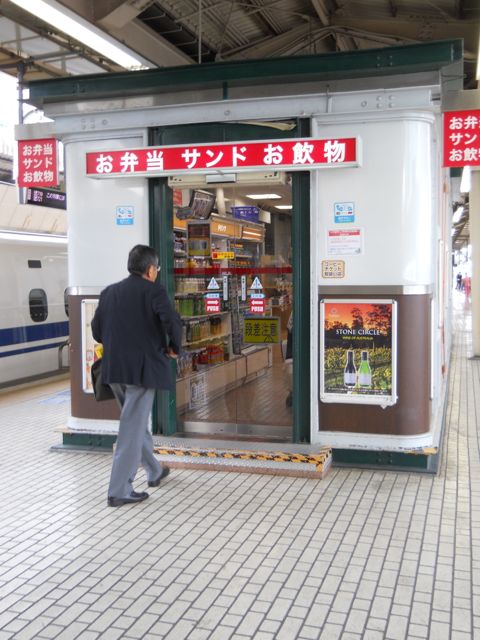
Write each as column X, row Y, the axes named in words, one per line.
column 206, row 158
column 47, row 198
column 246, row 212
column 461, row 138
column 37, row 163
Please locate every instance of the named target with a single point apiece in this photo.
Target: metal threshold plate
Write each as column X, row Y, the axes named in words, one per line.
column 243, row 430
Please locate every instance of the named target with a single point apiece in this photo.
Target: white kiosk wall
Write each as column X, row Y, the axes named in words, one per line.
column 395, row 203
column 107, row 217
column 101, row 236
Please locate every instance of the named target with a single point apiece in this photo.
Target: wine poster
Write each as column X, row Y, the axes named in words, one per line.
column 358, row 351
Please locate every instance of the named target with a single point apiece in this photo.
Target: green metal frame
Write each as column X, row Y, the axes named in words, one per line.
column 161, row 224
column 413, row 58
column 386, row 459
column 86, row 441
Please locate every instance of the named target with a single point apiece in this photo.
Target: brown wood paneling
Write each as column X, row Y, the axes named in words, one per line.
column 411, row 414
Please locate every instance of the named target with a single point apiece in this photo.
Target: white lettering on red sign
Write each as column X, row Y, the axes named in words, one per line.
column 37, row 165
column 212, row 305
column 257, row 305
column 461, row 138
column 176, row 159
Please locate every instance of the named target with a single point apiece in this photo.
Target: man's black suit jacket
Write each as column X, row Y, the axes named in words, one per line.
column 136, row 323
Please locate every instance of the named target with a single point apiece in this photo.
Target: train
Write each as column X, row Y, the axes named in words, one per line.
column 34, row 326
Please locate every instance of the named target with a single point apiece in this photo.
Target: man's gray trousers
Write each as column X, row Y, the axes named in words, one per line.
column 134, row 443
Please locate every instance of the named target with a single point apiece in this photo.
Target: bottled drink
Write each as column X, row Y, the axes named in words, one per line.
column 364, row 371
column 350, row 373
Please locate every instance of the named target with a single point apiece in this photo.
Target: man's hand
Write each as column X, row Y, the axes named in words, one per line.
column 171, row 354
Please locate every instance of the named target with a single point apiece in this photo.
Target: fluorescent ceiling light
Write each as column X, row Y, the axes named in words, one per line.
column 73, row 25
column 478, row 60
column 457, row 215
column 32, row 237
column 264, row 196
column 283, row 207
column 466, row 181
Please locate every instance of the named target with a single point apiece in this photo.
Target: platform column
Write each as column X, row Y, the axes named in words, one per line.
column 474, row 206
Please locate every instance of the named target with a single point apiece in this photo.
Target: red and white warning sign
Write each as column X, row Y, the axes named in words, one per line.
column 212, row 305
column 257, row 305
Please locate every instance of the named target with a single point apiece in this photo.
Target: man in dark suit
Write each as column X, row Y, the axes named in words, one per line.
column 140, row 333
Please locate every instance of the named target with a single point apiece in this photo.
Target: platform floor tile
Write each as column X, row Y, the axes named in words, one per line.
column 363, row 554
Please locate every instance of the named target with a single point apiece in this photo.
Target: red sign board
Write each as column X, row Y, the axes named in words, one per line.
column 257, row 305
column 293, row 154
column 212, row 305
column 461, row 138
column 37, row 163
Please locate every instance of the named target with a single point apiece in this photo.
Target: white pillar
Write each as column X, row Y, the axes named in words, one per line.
column 474, row 208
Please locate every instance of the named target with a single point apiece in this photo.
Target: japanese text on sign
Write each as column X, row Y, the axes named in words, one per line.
column 261, row 330
column 37, row 163
column 461, row 138
column 281, row 153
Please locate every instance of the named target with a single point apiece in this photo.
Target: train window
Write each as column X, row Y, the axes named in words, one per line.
column 65, row 299
column 34, row 264
column 37, row 299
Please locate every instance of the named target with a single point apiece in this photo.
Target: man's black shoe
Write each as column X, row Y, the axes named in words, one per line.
column 164, row 473
column 131, row 499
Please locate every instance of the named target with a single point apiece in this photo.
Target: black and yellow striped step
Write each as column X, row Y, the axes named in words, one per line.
column 288, row 463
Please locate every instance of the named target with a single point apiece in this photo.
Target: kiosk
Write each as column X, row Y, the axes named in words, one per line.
column 358, row 137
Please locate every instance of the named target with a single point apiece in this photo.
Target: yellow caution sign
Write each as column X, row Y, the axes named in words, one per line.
column 261, row 330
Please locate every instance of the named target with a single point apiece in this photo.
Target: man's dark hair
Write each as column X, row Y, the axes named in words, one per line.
column 140, row 258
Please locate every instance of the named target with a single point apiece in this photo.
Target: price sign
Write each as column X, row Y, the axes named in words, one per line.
column 223, row 255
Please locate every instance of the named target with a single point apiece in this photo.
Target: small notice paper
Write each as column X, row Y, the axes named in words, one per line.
column 344, row 242
column 333, row 268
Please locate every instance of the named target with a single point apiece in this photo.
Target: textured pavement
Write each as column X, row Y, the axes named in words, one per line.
column 213, row 555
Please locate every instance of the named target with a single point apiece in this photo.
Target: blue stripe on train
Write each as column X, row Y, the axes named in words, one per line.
column 16, row 352
column 19, row 335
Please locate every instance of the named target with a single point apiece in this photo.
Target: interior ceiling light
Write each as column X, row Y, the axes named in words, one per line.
column 457, row 215
column 32, row 237
column 263, row 196
column 284, row 207
column 73, row 25
column 466, row 181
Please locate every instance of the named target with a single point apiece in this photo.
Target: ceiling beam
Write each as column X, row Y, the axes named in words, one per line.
column 322, row 13
column 261, row 17
column 393, row 8
column 342, row 42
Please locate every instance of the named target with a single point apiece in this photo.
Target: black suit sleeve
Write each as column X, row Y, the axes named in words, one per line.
column 169, row 318
column 96, row 324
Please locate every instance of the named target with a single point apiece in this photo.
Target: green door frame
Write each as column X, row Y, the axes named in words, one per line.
column 161, row 232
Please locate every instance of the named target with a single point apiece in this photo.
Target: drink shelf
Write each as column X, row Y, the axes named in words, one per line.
column 218, row 336
column 208, row 315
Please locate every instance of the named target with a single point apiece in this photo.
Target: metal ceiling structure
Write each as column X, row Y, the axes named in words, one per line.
column 171, row 33
column 178, row 32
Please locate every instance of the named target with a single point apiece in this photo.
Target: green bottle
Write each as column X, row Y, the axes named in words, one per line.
column 364, row 371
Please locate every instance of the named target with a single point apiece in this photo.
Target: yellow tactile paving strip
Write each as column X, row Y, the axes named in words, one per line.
column 315, row 464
